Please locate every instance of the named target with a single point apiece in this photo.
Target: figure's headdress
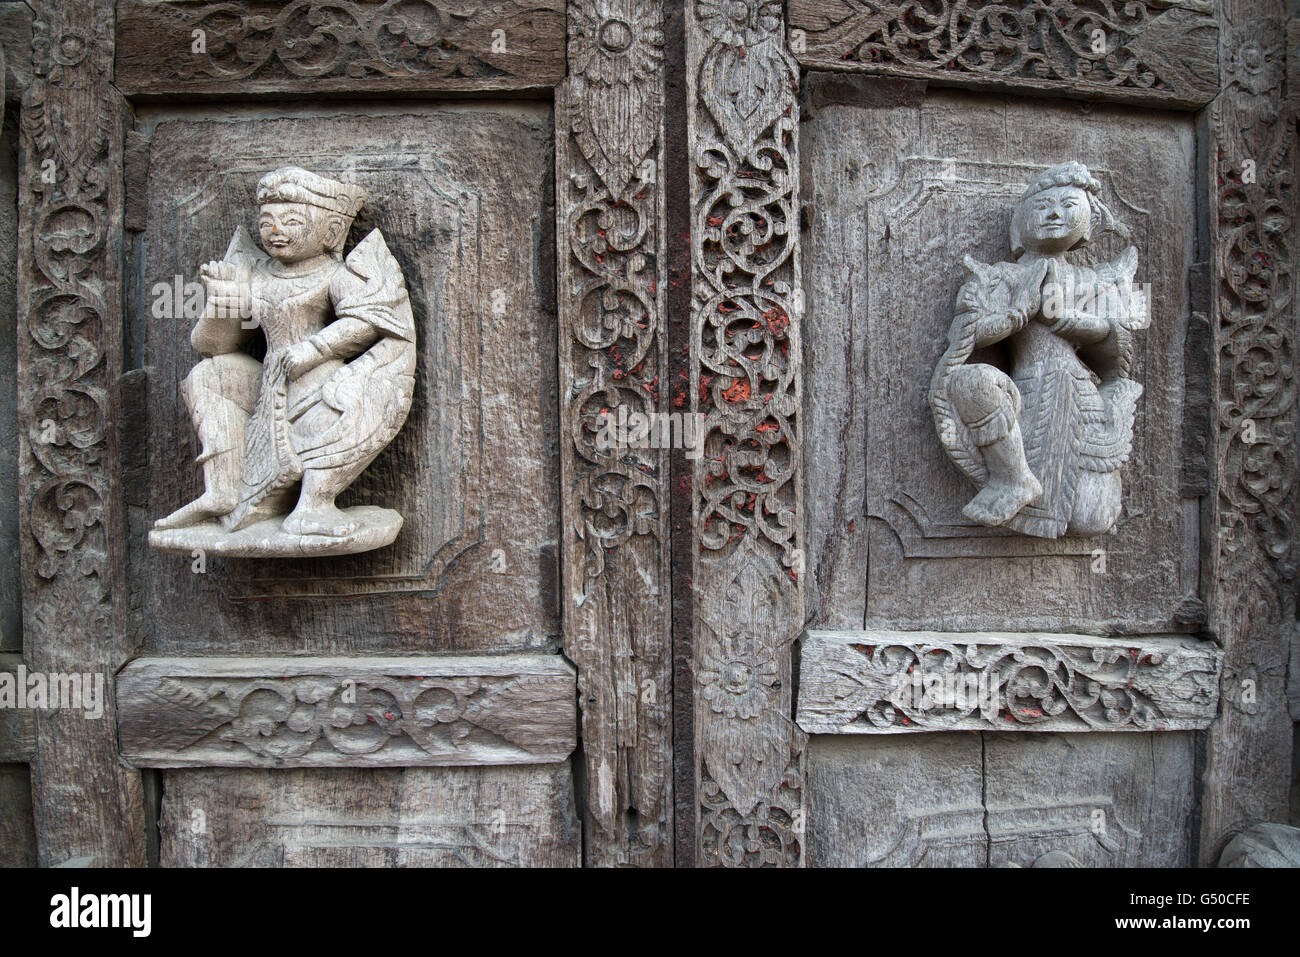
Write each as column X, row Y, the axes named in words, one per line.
column 1067, row 174
column 289, row 184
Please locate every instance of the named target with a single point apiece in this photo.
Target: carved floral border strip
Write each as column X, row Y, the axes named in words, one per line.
column 746, row 308
column 1251, row 560
column 611, row 254
column 883, row 682
column 1123, row 49
column 69, row 351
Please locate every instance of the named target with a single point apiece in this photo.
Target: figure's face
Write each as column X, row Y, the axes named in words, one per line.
column 1056, row 219
column 291, row 232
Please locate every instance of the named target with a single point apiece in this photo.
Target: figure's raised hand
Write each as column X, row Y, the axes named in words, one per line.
column 226, row 294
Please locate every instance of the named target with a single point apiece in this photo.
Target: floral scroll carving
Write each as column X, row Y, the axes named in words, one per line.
column 346, row 712
column 67, row 119
column 69, row 356
column 1137, row 50
column 893, row 682
column 746, row 307
column 334, row 43
column 1255, row 273
column 611, row 263
column 1251, row 558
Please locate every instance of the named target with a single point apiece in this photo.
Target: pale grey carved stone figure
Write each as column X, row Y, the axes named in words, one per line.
column 283, row 437
column 1045, row 443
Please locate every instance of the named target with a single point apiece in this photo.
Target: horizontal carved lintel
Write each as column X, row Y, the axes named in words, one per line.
column 347, row 712
column 1147, row 52
column 312, row 47
column 887, row 682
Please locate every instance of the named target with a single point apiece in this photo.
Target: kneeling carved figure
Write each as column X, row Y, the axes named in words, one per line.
column 1045, row 443
column 281, row 438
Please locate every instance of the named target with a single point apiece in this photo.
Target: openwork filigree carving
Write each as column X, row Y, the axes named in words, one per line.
column 1097, row 45
column 887, row 682
column 746, row 307
column 770, row 835
column 610, row 210
column 611, row 236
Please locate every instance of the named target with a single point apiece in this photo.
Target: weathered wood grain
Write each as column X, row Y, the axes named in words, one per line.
column 747, row 487
column 980, row 800
column 612, row 289
column 16, row 42
column 347, row 712
column 87, row 805
column 475, row 469
column 1153, row 52
column 1249, row 558
column 10, row 588
column 890, row 682
column 935, row 184
column 17, row 834
column 418, row 817
column 322, row 47
column 17, row 725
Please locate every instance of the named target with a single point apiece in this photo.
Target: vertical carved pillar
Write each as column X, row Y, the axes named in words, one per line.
column 617, row 627
column 1251, row 563
column 745, row 377
column 88, row 808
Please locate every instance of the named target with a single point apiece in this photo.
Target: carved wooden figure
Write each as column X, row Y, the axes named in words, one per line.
column 1046, row 442
column 281, row 438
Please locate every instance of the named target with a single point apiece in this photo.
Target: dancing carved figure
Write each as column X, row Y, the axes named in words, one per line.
column 1045, row 440
column 281, row 438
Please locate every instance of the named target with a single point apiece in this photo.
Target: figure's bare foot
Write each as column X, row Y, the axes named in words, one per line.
column 206, row 506
column 322, row 520
column 1000, row 500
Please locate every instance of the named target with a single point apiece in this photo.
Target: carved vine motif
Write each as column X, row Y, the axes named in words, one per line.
column 1255, row 259
column 769, row 836
column 746, row 308
column 287, row 719
column 327, row 38
column 611, row 229
column 877, row 682
column 610, row 201
column 1103, row 43
column 68, row 113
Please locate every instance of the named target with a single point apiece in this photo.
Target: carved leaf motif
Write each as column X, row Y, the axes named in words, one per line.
column 616, row 47
column 745, row 90
column 615, row 126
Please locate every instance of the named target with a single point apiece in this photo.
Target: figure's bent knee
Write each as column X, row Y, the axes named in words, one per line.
column 979, row 391
column 234, row 377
